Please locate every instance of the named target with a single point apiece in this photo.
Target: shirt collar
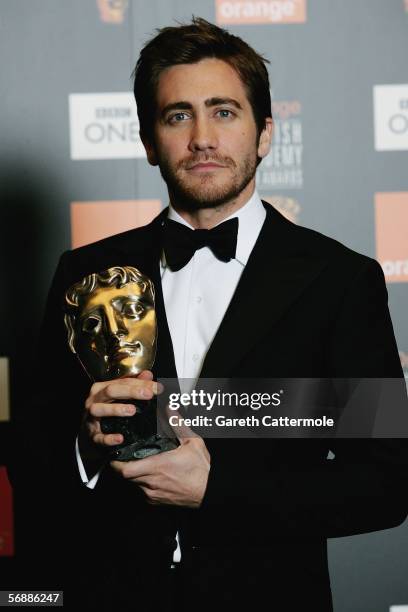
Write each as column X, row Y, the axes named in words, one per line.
column 250, row 220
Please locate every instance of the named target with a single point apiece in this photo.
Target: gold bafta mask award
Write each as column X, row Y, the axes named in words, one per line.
column 112, row 328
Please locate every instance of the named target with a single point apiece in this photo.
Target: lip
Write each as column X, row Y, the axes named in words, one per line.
column 126, row 350
column 205, row 166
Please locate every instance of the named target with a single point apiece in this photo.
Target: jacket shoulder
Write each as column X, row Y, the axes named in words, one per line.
column 97, row 255
column 319, row 245
column 136, row 247
column 132, row 236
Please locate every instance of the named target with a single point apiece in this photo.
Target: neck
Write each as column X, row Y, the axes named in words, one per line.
column 206, row 218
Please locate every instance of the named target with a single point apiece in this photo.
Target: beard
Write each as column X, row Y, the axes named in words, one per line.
column 193, row 194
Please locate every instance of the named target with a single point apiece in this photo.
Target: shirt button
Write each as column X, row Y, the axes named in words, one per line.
column 199, row 299
column 195, row 357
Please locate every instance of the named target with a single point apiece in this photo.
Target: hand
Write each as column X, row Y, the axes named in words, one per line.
column 177, row 477
column 102, row 402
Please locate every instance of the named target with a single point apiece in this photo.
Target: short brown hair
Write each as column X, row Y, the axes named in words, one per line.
column 188, row 44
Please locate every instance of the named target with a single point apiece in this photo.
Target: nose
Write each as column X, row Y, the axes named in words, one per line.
column 114, row 324
column 203, row 135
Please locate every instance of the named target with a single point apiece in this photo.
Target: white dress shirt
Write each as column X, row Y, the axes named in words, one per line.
column 197, row 297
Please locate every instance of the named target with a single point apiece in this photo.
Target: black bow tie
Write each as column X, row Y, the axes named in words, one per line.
column 181, row 242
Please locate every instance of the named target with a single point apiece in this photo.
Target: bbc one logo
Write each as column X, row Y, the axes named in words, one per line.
column 391, row 221
column 404, row 363
column 260, row 11
column 391, row 117
column 104, row 126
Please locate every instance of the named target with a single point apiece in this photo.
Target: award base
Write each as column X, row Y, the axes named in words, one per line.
column 144, row 448
column 140, row 439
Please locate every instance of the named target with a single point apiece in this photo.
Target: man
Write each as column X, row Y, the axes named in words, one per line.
column 253, row 516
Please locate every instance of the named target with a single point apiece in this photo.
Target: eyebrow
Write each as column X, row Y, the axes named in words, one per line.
column 184, row 105
column 216, row 101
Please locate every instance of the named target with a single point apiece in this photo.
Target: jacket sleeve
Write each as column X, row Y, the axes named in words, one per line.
column 363, row 488
column 46, row 425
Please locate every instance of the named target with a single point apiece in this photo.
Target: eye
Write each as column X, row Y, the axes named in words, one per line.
column 133, row 310
column 91, row 324
column 177, row 117
column 225, row 113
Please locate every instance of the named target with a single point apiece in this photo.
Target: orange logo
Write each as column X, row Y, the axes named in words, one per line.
column 6, row 516
column 4, row 390
column 260, row 11
column 391, row 223
column 289, row 207
column 92, row 221
column 285, row 109
column 112, row 11
column 404, row 361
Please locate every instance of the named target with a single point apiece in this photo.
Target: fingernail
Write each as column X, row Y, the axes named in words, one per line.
column 129, row 411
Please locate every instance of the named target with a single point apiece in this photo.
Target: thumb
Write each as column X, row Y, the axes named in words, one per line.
column 145, row 375
column 182, row 432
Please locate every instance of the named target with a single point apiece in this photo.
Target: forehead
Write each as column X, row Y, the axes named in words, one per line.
column 196, row 82
column 105, row 295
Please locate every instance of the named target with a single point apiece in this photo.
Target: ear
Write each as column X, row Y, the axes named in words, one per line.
column 265, row 138
column 150, row 151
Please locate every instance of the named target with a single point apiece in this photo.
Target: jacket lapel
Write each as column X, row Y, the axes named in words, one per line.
column 277, row 272
column 144, row 253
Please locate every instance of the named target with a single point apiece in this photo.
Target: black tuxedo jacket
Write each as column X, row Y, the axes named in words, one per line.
column 305, row 306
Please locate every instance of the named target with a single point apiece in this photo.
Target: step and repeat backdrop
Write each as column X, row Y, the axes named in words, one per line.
column 73, row 170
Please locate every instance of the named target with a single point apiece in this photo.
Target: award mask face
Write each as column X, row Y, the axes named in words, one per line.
column 112, row 327
column 111, row 323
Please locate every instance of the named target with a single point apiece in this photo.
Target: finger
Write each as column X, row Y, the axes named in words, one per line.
column 148, row 375
column 122, row 468
column 107, row 439
column 142, row 468
column 145, row 375
column 153, row 497
column 126, row 389
column 104, row 410
column 181, row 431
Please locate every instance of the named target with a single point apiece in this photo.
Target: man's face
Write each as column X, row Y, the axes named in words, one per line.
column 115, row 332
column 205, row 137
